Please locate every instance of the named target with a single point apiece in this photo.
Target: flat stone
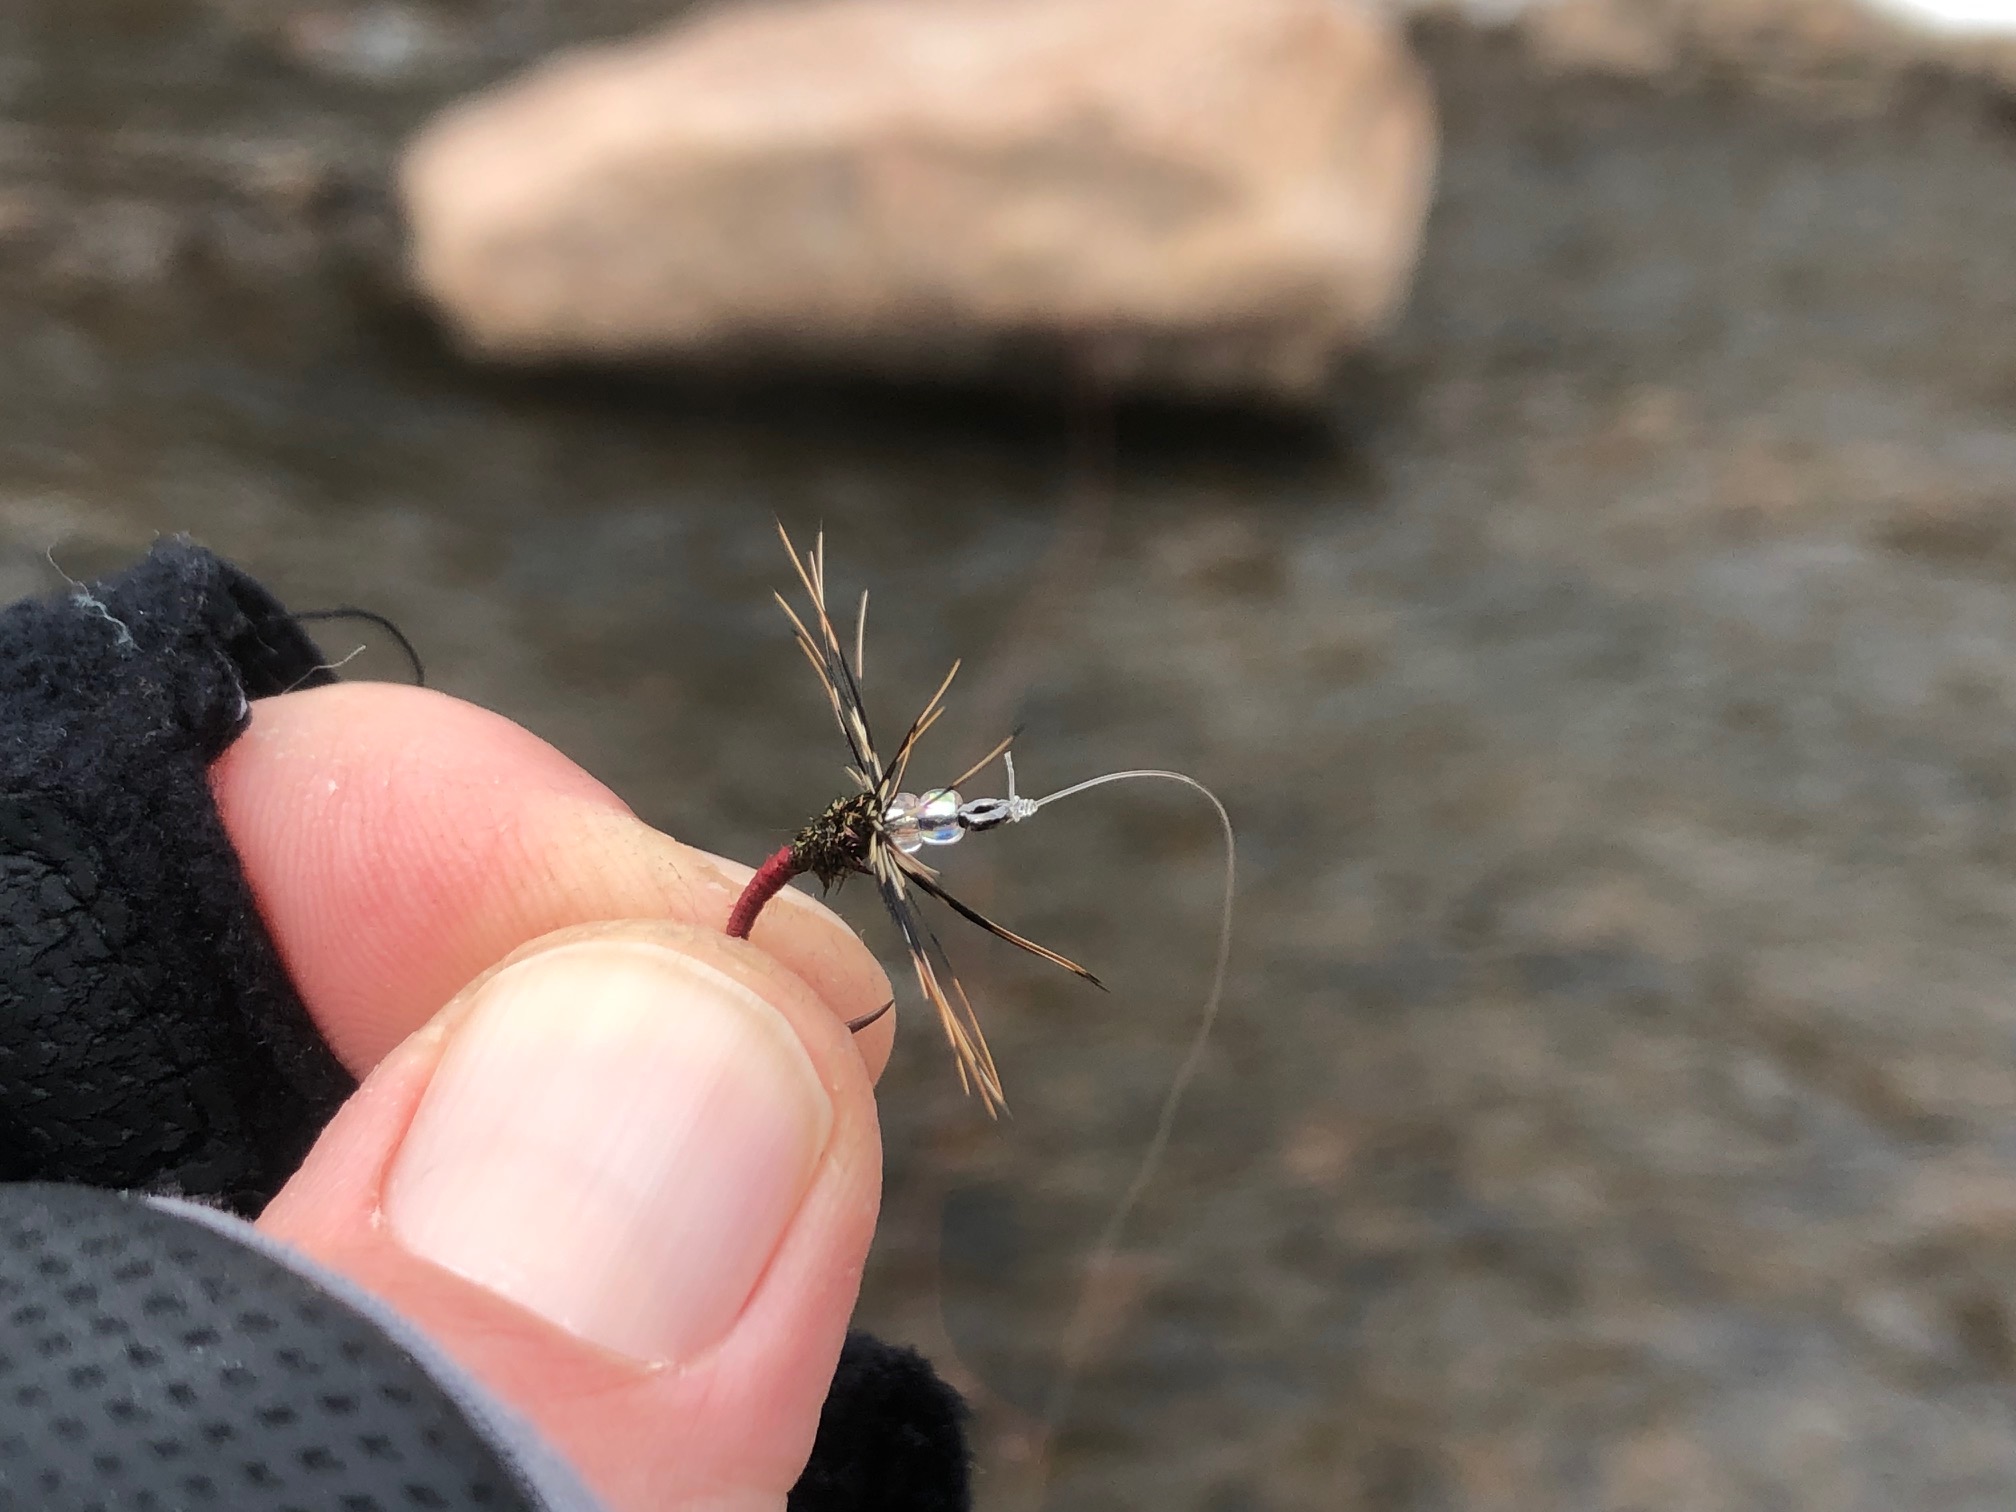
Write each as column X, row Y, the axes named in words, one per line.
column 1203, row 198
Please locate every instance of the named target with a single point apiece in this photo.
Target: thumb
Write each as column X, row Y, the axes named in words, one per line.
column 629, row 1178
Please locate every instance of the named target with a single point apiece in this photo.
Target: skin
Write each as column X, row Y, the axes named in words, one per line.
column 402, row 846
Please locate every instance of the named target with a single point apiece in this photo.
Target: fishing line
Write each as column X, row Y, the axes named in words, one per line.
column 881, row 831
column 1078, row 1332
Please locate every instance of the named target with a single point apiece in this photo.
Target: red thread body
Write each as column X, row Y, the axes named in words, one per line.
column 769, row 880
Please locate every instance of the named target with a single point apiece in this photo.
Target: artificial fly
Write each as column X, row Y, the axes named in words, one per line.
column 878, row 831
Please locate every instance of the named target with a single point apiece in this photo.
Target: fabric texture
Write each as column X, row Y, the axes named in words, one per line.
column 152, row 1363
column 149, row 1036
column 534, row 1466
column 892, row 1437
column 150, row 1040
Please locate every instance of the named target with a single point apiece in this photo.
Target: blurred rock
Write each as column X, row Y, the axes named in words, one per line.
column 1205, row 198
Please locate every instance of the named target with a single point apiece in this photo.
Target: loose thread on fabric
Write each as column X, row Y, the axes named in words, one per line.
column 383, row 622
column 90, row 603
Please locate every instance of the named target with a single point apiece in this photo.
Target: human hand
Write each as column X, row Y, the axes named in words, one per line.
column 626, row 1172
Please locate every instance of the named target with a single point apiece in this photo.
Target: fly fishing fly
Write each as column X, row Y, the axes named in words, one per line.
column 880, row 829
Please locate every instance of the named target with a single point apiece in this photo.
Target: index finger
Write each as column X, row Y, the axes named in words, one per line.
column 401, row 842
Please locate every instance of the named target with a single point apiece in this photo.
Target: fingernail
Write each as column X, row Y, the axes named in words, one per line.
column 617, row 1137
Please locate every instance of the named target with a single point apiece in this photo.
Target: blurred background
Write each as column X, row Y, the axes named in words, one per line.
column 1593, row 593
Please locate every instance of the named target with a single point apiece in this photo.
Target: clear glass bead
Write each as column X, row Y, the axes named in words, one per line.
column 900, row 820
column 938, row 817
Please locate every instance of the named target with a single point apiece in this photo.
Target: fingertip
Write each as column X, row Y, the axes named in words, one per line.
column 329, row 738
column 824, row 949
column 399, row 841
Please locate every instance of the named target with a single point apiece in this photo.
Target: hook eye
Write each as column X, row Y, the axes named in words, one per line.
column 985, row 813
